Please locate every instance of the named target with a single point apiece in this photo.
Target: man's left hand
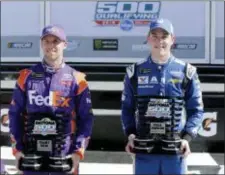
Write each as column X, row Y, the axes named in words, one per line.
column 185, row 148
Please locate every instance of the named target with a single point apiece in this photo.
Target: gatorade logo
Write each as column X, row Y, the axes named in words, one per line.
column 54, row 99
column 209, row 125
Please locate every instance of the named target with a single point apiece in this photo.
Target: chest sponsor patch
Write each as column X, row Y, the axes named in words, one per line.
column 54, row 99
column 176, row 73
column 37, row 75
column 154, row 80
column 144, row 70
column 143, row 79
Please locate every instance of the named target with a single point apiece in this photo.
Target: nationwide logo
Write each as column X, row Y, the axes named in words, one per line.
column 126, row 14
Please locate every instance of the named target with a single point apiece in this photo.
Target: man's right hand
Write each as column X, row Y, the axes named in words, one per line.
column 18, row 156
column 130, row 145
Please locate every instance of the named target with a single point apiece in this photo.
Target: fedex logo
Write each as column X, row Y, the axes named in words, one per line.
column 126, row 14
column 54, row 99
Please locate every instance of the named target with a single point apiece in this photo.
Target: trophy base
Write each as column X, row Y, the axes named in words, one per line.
column 143, row 145
column 171, row 146
column 30, row 163
column 61, row 164
column 159, row 146
column 46, row 164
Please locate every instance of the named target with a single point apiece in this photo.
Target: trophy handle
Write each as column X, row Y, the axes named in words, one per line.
column 30, row 163
column 61, row 163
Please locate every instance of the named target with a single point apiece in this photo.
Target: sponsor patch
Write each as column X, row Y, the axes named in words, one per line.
column 143, row 79
column 37, row 75
column 190, row 71
column 176, row 73
column 54, row 99
column 144, row 70
column 153, row 80
column 130, row 70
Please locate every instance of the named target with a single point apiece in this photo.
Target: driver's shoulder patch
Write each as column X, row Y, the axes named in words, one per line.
column 190, row 71
column 130, row 70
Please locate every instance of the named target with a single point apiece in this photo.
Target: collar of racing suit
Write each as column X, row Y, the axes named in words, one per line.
column 51, row 69
column 162, row 64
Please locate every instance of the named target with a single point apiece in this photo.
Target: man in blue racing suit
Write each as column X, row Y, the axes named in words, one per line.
column 162, row 108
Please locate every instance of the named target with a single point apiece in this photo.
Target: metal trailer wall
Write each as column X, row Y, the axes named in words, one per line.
column 98, row 31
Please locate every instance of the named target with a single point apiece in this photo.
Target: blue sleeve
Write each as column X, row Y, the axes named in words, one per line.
column 194, row 106
column 84, row 117
column 16, row 111
column 128, row 108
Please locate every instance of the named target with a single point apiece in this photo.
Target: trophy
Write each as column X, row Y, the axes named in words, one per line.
column 171, row 142
column 59, row 162
column 144, row 142
column 44, row 144
column 157, row 119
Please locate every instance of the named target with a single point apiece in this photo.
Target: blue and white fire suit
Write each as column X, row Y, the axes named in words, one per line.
column 162, row 80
